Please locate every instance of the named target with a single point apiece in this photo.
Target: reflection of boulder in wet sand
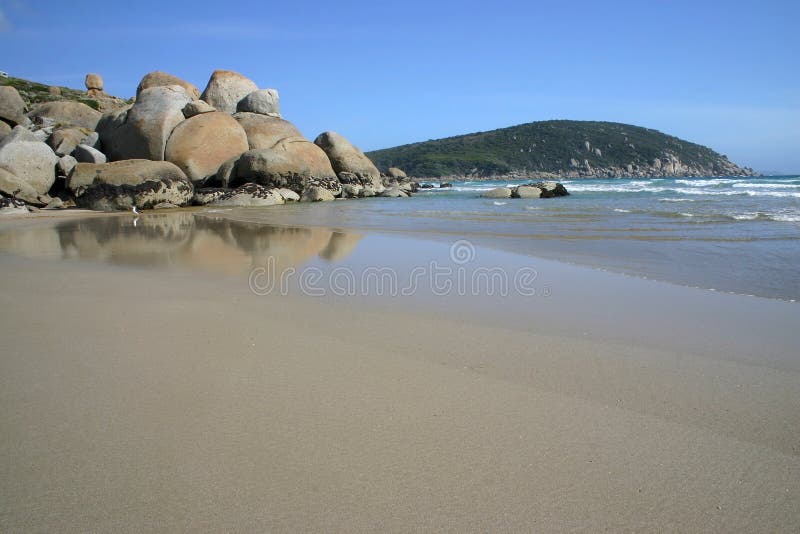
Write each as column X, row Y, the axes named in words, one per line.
column 289, row 247
column 156, row 238
column 213, row 251
column 179, row 238
column 340, row 246
column 35, row 241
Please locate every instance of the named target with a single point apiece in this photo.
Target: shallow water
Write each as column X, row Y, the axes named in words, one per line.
column 738, row 235
column 446, row 276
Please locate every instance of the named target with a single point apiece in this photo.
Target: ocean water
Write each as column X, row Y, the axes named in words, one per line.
column 738, row 235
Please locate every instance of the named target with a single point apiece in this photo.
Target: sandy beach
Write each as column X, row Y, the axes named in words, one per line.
column 142, row 395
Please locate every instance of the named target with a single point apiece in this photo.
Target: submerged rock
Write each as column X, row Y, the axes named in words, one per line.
column 497, row 192
column 527, row 191
column 550, row 189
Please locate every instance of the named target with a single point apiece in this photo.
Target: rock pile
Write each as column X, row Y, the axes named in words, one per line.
column 532, row 190
column 174, row 146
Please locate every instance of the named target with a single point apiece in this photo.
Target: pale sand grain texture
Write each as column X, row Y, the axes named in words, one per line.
column 135, row 401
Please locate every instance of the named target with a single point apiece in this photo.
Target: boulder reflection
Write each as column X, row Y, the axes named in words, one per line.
column 193, row 241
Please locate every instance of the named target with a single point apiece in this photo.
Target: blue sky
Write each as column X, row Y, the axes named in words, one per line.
column 723, row 74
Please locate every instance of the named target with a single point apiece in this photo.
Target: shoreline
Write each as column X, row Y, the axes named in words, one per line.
column 496, row 241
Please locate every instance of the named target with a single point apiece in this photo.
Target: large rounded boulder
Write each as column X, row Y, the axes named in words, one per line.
column 264, row 131
column 66, row 112
column 142, row 132
column 226, row 88
column 93, row 82
column 12, row 107
column 120, row 185
column 163, row 79
column 30, row 160
column 294, row 163
column 201, row 144
column 15, row 187
column 346, row 158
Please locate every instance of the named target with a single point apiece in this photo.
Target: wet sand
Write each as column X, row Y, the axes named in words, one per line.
column 145, row 387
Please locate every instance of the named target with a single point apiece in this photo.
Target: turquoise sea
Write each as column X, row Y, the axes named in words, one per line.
column 738, row 235
column 735, row 235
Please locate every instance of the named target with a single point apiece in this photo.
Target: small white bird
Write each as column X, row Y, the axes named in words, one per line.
column 135, row 211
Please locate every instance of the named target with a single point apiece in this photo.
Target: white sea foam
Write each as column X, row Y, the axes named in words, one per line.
column 620, row 210
column 608, row 188
column 708, row 182
column 749, row 216
column 747, row 192
column 676, row 199
column 767, row 185
column 474, row 188
column 499, row 203
column 785, row 218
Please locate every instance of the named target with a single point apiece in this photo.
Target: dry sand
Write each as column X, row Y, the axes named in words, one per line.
column 156, row 400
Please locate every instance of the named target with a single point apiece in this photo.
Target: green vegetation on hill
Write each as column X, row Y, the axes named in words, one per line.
column 549, row 147
column 34, row 93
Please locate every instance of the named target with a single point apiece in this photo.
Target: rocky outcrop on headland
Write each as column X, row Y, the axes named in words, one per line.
column 174, row 146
